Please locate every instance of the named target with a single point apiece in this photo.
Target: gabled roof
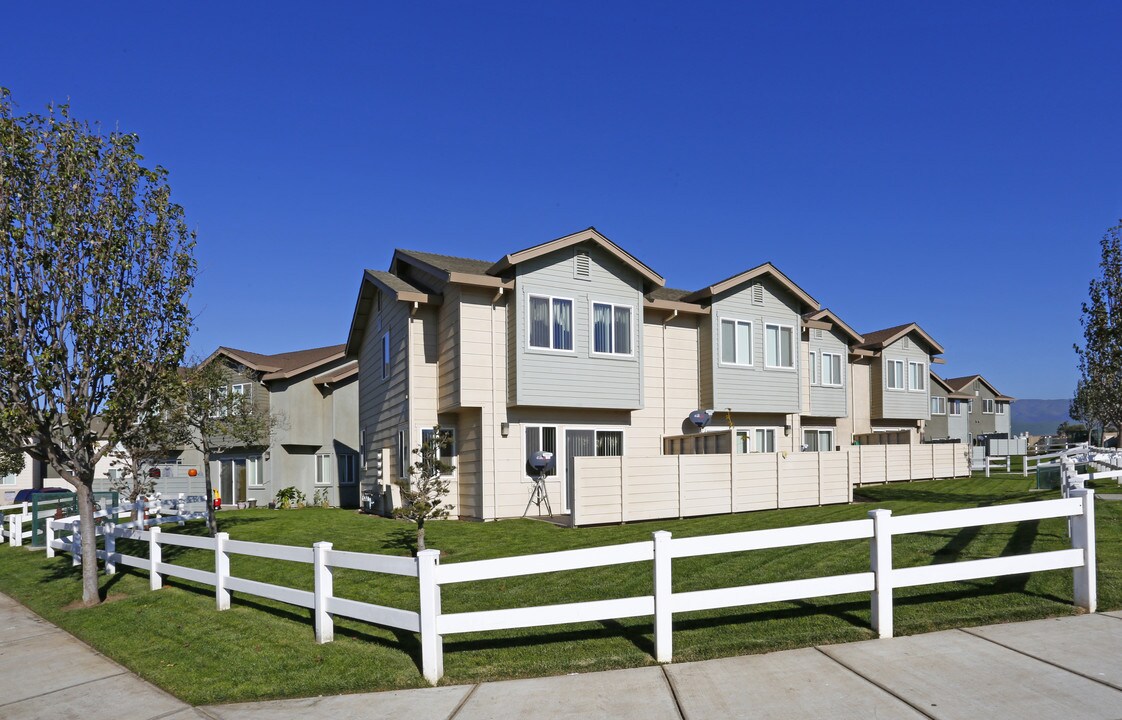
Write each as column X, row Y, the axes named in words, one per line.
column 373, row 282
column 280, row 366
column 749, row 275
column 961, row 384
column 951, row 392
column 879, row 339
column 653, row 279
column 343, row 372
column 829, row 316
column 448, row 268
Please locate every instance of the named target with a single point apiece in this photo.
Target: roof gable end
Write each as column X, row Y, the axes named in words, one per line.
column 650, row 277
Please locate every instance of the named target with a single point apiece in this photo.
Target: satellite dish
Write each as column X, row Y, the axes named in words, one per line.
column 700, row 418
column 541, row 461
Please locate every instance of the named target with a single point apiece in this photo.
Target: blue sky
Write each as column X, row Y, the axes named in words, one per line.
column 952, row 164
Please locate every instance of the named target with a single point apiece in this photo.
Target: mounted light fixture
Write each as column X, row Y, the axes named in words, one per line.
column 504, row 429
column 787, row 430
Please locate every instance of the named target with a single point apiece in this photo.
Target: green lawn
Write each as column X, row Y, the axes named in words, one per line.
column 261, row 649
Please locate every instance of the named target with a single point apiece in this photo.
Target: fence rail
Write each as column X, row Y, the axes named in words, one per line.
column 432, row 624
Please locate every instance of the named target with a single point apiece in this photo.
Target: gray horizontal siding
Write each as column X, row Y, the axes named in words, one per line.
column 905, row 404
column 825, row 400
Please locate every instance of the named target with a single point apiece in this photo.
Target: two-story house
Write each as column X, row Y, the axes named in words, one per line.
column 986, row 410
column 312, row 396
column 949, row 416
column 897, row 361
column 576, row 347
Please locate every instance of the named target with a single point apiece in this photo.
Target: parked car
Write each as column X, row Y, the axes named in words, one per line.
column 25, row 494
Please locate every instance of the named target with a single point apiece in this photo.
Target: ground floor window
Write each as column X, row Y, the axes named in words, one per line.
column 818, row 440
column 609, row 443
column 763, row 440
column 743, row 441
column 253, row 473
column 324, row 476
column 348, row 468
column 541, row 438
column 7, row 479
column 447, row 449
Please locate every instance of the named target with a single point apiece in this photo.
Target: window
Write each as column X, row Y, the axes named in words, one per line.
column 956, row 407
column 447, row 450
column 894, row 370
column 779, row 346
column 938, row 406
column 832, row 369
column 611, row 329
column 7, row 479
column 254, row 472
column 239, row 393
column 736, row 342
column 324, row 476
column 818, row 440
column 541, row 438
column 402, row 455
column 764, row 440
column 970, row 406
column 348, row 465
column 362, row 447
column 551, row 323
column 218, row 406
column 743, row 444
column 386, row 355
column 814, row 368
column 609, row 443
column 1001, row 408
column 987, row 406
column 917, row 376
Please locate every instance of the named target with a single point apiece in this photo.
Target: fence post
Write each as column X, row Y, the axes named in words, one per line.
column 221, row 571
column 986, row 462
column 1083, row 537
column 110, row 548
column 1024, row 466
column 663, row 613
column 432, row 646
column 15, row 530
column 155, row 557
column 880, row 557
column 75, row 545
column 324, row 588
column 181, row 509
column 49, row 535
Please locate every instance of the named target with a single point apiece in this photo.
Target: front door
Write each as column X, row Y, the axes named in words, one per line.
column 578, row 443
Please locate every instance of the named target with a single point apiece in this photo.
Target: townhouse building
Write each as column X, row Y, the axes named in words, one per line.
column 578, row 348
column 974, row 408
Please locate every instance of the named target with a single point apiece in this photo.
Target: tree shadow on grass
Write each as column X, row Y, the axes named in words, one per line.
column 403, row 538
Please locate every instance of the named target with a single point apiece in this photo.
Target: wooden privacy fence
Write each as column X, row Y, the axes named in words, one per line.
column 433, row 624
column 631, row 488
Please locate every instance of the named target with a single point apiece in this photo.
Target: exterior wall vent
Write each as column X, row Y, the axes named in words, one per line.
column 817, row 333
column 907, row 343
column 582, row 267
column 757, row 294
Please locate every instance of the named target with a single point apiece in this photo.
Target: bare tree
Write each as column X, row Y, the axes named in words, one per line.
column 216, row 419
column 423, row 492
column 96, row 267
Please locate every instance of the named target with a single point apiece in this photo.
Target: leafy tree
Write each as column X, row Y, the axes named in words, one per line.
column 423, row 492
column 1099, row 393
column 216, row 419
column 11, row 462
column 96, row 267
column 151, row 439
column 1074, row 432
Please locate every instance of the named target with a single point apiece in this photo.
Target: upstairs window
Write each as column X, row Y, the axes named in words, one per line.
column 779, row 346
column 917, row 376
column 956, row 407
column 218, row 402
column 1001, row 408
column 832, row 369
column 987, row 406
column 386, row 355
column 736, row 342
column 894, row 372
column 938, row 406
column 814, row 368
column 551, row 323
column 611, row 329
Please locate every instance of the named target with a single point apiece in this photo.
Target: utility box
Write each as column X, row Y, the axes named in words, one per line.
column 1048, row 477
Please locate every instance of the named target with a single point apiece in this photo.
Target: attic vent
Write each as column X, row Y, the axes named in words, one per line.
column 907, row 343
column 757, row 294
column 583, row 267
column 817, row 333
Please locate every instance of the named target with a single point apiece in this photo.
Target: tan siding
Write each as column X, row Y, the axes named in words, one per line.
column 449, row 348
column 860, row 374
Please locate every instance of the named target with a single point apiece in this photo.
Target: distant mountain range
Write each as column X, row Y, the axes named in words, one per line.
column 1039, row 417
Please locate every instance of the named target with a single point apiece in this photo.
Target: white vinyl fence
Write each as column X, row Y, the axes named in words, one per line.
column 433, row 624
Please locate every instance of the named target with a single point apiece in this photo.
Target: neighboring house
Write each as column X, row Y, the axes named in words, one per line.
column 30, row 477
column 949, row 417
column 313, row 397
column 898, row 362
column 576, row 347
column 987, row 410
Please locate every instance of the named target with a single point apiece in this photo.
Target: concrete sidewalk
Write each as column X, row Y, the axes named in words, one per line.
column 1064, row 669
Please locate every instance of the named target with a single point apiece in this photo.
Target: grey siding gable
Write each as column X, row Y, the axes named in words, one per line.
column 580, row 377
column 755, row 387
column 937, row 427
column 383, row 404
column 829, row 400
column 905, row 404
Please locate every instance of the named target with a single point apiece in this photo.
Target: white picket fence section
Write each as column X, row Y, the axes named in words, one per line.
column 16, row 516
column 433, row 624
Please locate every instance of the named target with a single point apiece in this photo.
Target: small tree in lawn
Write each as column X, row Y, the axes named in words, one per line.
column 1099, row 393
column 423, row 492
column 96, row 268
column 216, row 419
column 151, row 439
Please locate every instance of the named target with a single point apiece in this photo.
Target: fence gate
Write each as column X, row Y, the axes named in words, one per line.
column 69, row 504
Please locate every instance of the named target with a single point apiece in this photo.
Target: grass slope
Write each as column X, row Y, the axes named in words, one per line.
column 260, row 649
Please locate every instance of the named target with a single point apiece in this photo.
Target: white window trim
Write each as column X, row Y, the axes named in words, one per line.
column 833, row 436
column 841, row 370
column 992, row 406
column 751, row 342
column 387, row 355
column 815, row 375
column 257, row 479
column 1000, row 407
column 940, row 401
column 319, row 481
column 776, row 430
column 954, row 408
column 558, row 456
column 922, row 375
column 622, row 439
column 572, row 330
column 440, row 453
column 592, row 329
column 794, row 361
column 888, row 376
